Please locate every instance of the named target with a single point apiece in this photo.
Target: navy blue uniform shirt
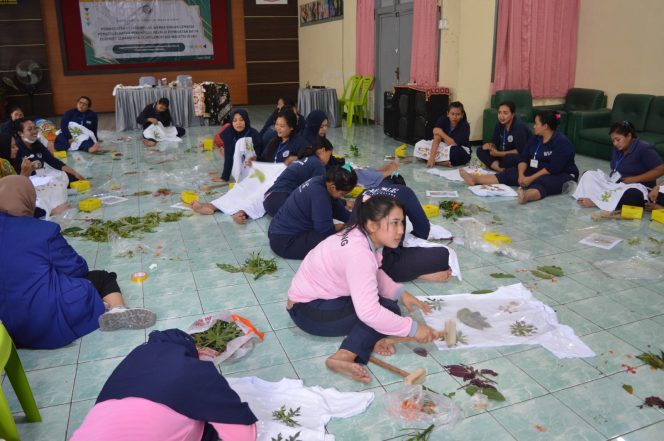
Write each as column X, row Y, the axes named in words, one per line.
column 641, row 157
column 460, row 134
column 412, row 208
column 297, row 173
column 38, row 152
column 556, row 156
column 278, row 151
column 150, row 112
column 515, row 138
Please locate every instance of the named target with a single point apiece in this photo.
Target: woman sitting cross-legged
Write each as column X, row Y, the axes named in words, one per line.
column 239, row 130
column 82, row 116
column 287, row 144
column 453, row 130
column 341, row 290
column 508, row 141
column 49, row 297
column 545, row 165
column 307, row 217
column 635, row 166
column 154, row 114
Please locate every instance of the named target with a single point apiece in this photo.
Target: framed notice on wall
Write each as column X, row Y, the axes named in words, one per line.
column 131, row 35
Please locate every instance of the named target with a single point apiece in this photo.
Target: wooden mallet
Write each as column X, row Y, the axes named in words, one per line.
column 449, row 334
column 416, row 377
column 211, row 186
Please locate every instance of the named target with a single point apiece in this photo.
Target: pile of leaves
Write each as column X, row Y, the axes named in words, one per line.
column 218, row 336
column 286, row 416
column 254, row 264
column 124, row 227
column 477, row 380
column 453, row 210
column 354, row 150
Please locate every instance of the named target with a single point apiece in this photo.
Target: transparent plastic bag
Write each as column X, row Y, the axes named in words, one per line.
column 127, row 247
column 414, row 404
column 236, row 348
column 474, row 232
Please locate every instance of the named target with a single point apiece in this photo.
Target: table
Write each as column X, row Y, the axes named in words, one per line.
column 130, row 102
column 319, row 99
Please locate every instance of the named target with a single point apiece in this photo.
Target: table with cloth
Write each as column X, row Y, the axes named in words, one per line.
column 319, row 99
column 131, row 100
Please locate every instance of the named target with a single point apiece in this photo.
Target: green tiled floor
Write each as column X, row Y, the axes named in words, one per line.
column 546, row 398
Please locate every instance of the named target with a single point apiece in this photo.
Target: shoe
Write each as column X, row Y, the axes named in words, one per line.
column 122, row 317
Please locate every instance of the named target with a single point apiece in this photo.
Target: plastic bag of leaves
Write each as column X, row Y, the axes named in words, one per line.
column 416, row 405
column 224, row 336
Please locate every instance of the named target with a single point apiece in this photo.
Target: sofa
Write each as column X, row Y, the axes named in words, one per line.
column 590, row 130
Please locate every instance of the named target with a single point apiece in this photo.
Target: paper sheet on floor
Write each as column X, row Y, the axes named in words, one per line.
column 596, row 186
column 453, row 174
column 247, row 195
column 317, row 406
column 513, row 316
column 411, row 241
column 493, row 190
column 162, row 134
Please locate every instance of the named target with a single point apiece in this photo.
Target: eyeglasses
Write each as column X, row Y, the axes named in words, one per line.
column 324, row 125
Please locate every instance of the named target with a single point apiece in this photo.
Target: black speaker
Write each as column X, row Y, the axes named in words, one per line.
column 426, row 113
column 389, row 114
column 404, row 114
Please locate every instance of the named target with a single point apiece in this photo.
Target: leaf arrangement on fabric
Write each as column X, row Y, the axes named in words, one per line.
column 477, row 380
column 286, row 416
column 258, row 175
column 218, row 336
column 280, row 437
column 510, row 308
column 435, row 304
column 124, row 227
column 652, row 359
column 254, row 264
column 473, row 319
column 522, row 329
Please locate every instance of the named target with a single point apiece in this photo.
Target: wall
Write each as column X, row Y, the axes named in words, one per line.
column 99, row 87
column 620, row 47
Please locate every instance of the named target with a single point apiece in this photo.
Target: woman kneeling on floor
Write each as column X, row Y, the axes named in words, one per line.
column 341, row 290
column 49, row 298
column 546, row 163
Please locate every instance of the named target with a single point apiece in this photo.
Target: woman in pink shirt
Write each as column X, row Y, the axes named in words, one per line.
column 341, row 290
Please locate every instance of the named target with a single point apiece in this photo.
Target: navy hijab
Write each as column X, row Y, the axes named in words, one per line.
column 166, row 370
column 314, row 122
column 230, row 135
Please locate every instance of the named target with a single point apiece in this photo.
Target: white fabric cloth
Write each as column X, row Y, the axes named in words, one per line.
column 493, row 190
column 162, row 134
column 437, row 232
column 79, row 134
column 597, row 186
column 453, row 174
column 247, row 195
column 51, row 187
column 423, row 150
column 502, row 309
column 243, row 151
column 411, row 241
column 317, row 406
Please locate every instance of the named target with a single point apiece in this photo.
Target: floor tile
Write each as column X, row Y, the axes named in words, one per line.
column 227, row 297
column 277, row 315
column 605, row 312
column 174, row 305
column 50, row 387
column 314, row 373
column 99, row 345
column 79, row 409
column 611, row 351
column 53, row 426
column 271, row 373
column 300, row 345
column 91, row 376
column 646, row 335
column 650, row 433
column 32, row 359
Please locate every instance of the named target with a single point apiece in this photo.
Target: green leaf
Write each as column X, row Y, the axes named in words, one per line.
column 552, row 269
column 471, row 390
column 502, row 276
column 493, row 394
column 72, row 231
column 654, row 360
column 483, row 291
column 541, row 275
column 629, row 389
column 474, row 319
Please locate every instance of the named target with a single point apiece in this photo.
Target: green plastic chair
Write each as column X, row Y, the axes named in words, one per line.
column 351, row 86
column 358, row 105
column 11, row 364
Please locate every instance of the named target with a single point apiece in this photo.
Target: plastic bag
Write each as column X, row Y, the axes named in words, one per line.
column 637, row 267
column 413, row 404
column 474, row 231
column 236, row 348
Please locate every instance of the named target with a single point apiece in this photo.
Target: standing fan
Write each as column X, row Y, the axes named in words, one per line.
column 29, row 75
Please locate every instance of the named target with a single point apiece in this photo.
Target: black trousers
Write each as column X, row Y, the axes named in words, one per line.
column 404, row 264
column 105, row 282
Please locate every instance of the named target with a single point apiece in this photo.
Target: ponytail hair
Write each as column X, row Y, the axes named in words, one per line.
column 549, row 117
column 313, row 148
column 344, row 178
column 372, row 208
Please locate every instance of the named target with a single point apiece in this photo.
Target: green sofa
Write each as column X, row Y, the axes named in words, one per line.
column 590, row 134
column 576, row 99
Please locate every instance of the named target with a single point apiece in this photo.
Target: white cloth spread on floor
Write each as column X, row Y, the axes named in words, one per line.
column 513, row 317
column 316, row 406
column 51, row 187
column 161, row 134
column 247, row 195
column 423, row 150
column 492, row 190
column 453, row 174
column 243, row 151
column 79, row 134
column 411, row 241
column 597, row 186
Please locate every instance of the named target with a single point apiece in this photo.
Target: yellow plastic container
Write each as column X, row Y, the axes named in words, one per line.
column 497, row 239
column 355, row 192
column 189, row 196
column 658, row 215
column 207, row 144
column 231, row 185
column 80, row 185
column 431, row 210
column 60, row 154
column 631, row 212
column 400, row 152
column 90, row 204
column 139, row 276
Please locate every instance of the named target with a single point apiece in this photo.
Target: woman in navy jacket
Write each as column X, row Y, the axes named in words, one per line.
column 452, row 129
column 508, row 141
column 240, row 128
column 82, row 115
column 545, row 165
column 287, row 145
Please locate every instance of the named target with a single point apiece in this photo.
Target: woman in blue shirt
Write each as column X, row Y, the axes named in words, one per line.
column 7, row 127
column 545, row 165
column 508, row 141
column 82, row 115
column 287, row 145
column 454, row 131
column 634, row 163
column 240, row 128
column 307, row 217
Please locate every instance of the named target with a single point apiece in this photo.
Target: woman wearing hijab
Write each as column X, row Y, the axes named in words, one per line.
column 8, row 154
column 162, row 391
column 81, row 114
column 48, row 297
column 240, row 128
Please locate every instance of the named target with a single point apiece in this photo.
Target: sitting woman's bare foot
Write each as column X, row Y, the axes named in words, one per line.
column 343, row 362
column 94, row 148
column 467, row 177
column 148, row 143
column 60, row 208
column 384, row 348
column 445, row 163
column 240, row 217
column 521, row 193
column 202, row 208
column 586, row 203
column 440, row 276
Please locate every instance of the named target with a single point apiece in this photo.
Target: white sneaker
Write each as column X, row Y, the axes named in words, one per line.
column 121, row 317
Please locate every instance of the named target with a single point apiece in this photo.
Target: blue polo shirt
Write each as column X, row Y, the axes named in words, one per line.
column 460, row 134
column 309, row 208
column 515, row 138
column 277, row 151
column 412, row 208
column 297, row 173
column 640, row 158
column 557, row 155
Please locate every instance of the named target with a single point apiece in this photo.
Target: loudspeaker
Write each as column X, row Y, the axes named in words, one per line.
column 403, row 98
column 426, row 113
column 389, row 114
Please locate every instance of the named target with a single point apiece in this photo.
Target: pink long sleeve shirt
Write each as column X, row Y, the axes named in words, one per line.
column 348, row 265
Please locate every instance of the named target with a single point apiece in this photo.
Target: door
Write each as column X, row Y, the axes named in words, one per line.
column 394, row 35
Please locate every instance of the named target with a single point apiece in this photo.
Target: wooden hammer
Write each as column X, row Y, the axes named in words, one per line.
column 416, row 377
column 211, row 186
column 448, row 334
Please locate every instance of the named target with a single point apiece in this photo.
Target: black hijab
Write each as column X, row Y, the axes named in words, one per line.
column 167, row 370
column 313, row 123
column 6, row 147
